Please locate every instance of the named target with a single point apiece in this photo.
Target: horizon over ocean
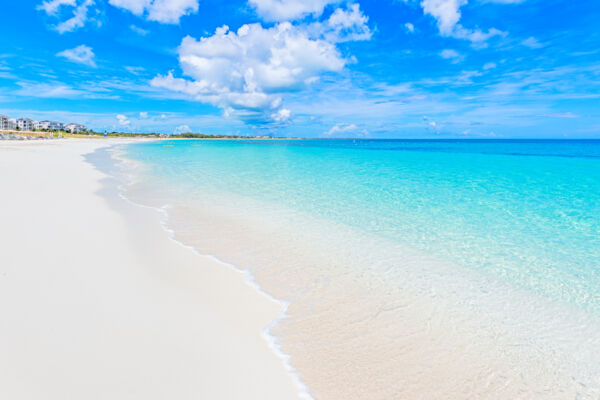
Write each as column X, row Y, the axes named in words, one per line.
column 394, row 253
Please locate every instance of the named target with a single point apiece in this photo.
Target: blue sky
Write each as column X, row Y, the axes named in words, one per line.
column 314, row 68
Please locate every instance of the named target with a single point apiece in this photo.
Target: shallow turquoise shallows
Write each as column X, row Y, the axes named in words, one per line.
column 524, row 212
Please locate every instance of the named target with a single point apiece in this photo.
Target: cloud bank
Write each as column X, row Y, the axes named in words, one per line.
column 252, row 68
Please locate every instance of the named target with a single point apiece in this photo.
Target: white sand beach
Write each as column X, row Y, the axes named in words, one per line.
column 96, row 302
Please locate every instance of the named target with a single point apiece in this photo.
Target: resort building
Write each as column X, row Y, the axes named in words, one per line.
column 74, row 128
column 3, row 122
column 25, row 124
column 56, row 126
column 7, row 123
column 49, row 125
column 41, row 125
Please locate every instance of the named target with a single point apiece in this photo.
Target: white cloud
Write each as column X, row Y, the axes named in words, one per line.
column 78, row 20
column 51, row 7
column 532, row 43
column 181, row 129
column 347, row 25
column 45, row 90
column 251, row 68
column 164, row 11
column 79, row 16
column 138, row 30
column 490, row 65
column 123, row 120
column 134, row 70
column 135, row 6
column 447, row 14
column 81, row 54
column 345, row 128
column 431, row 125
column 476, row 36
column 452, row 55
column 288, row 10
column 409, row 27
column 143, row 114
column 282, row 115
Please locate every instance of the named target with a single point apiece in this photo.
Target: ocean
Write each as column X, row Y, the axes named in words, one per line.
column 411, row 268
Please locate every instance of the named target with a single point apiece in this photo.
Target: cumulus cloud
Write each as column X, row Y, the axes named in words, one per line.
column 288, row 10
column 282, row 115
column 409, row 27
column 79, row 16
column 447, row 14
column 123, row 120
column 346, row 25
column 250, row 69
column 181, row 129
column 247, row 72
column 164, row 11
column 345, row 128
column 143, row 114
column 81, row 54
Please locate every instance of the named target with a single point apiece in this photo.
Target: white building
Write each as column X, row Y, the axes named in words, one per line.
column 50, row 125
column 3, row 122
column 7, row 123
column 56, row 126
column 26, row 124
column 74, row 128
column 41, row 125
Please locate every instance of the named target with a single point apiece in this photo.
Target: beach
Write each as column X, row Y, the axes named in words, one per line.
column 97, row 302
column 412, row 268
column 242, row 269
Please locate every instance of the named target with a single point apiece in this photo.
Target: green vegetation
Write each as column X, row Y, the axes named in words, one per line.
column 187, row 135
column 91, row 133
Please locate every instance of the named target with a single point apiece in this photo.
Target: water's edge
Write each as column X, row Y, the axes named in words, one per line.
column 401, row 344
column 110, row 160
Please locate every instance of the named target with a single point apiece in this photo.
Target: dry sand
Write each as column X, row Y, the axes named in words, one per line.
column 96, row 302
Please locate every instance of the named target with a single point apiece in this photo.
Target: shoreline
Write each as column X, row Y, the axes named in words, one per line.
column 270, row 338
column 428, row 330
column 120, row 310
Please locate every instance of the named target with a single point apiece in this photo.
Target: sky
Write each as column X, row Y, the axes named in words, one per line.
column 308, row 68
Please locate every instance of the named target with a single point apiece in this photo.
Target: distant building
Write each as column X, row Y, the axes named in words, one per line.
column 3, row 122
column 41, row 125
column 26, row 124
column 56, row 126
column 50, row 125
column 74, row 128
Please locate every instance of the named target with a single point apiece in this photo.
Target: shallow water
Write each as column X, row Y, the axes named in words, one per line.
column 413, row 269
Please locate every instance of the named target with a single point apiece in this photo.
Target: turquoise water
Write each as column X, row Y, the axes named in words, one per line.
column 525, row 212
column 411, row 269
